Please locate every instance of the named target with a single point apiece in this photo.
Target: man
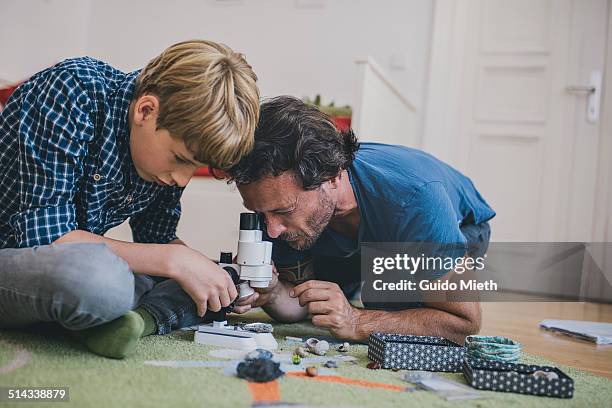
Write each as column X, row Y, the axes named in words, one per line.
column 321, row 194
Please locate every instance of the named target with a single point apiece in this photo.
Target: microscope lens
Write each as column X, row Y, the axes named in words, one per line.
column 249, row 221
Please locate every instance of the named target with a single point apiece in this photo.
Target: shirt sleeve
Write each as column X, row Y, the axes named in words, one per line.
column 430, row 223
column 157, row 223
column 54, row 129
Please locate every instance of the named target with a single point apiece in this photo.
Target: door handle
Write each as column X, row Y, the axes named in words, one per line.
column 580, row 89
column 593, row 94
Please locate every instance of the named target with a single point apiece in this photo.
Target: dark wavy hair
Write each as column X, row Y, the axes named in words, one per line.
column 293, row 136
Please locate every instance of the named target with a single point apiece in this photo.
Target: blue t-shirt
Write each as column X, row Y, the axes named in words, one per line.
column 404, row 195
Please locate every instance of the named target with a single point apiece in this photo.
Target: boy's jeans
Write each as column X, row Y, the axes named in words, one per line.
column 81, row 285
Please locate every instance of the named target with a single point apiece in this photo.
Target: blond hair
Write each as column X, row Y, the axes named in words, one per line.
column 208, row 98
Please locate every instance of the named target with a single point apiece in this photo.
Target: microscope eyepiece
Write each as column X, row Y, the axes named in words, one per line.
column 249, row 221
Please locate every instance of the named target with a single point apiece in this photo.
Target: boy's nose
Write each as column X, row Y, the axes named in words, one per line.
column 182, row 178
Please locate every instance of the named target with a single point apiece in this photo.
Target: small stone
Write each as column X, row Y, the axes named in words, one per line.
column 258, row 327
column 259, row 353
column 395, row 369
column 295, row 359
column 301, row 351
column 331, row 364
column 344, row 347
column 316, row 346
column 259, row 370
column 373, row 365
column 312, row 371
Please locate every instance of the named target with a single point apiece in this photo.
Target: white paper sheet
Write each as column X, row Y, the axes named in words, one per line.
column 597, row 332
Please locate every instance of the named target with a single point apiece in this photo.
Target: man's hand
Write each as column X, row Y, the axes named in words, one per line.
column 262, row 296
column 209, row 286
column 329, row 307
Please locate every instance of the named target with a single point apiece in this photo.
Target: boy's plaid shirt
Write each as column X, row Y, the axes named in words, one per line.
column 65, row 160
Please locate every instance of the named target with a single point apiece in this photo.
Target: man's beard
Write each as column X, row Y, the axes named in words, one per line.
column 316, row 223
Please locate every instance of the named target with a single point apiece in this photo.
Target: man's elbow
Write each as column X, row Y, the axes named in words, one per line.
column 470, row 324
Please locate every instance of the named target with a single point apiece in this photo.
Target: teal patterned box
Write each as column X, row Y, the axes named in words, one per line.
column 428, row 353
column 519, row 378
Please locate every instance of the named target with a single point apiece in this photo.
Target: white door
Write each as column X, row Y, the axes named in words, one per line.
column 500, row 109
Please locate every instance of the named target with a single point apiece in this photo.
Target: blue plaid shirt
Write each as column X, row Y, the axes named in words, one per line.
column 65, row 160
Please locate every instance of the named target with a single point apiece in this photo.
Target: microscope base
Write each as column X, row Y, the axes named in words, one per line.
column 220, row 334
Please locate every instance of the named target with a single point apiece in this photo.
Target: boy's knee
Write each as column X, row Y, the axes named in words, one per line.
column 90, row 284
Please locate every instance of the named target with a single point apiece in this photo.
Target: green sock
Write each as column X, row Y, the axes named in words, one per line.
column 150, row 326
column 114, row 339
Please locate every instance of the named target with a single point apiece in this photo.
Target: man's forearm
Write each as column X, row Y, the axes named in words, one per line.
column 426, row 321
column 283, row 308
column 150, row 259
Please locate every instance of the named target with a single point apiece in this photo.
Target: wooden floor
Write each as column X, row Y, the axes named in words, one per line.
column 520, row 322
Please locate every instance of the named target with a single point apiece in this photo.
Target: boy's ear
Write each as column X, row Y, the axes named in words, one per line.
column 146, row 109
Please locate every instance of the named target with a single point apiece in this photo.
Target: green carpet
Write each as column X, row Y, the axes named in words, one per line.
column 56, row 360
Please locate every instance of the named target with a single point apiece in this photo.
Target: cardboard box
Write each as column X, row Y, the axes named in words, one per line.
column 519, row 378
column 426, row 353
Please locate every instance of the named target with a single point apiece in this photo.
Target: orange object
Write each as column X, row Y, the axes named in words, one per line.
column 350, row 381
column 265, row 392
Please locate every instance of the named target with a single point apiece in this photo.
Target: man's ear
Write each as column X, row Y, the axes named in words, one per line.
column 335, row 182
column 146, row 109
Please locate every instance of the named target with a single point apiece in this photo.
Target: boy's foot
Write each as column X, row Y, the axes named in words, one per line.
column 115, row 339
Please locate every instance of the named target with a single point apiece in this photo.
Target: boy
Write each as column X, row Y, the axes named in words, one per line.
column 83, row 147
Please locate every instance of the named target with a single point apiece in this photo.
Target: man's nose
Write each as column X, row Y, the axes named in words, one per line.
column 274, row 227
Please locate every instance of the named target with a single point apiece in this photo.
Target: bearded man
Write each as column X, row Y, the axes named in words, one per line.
column 321, row 194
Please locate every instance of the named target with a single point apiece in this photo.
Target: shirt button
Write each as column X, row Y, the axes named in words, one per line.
column 129, row 198
column 97, row 177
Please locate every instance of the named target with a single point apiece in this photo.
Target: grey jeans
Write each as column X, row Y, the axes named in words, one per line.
column 81, row 285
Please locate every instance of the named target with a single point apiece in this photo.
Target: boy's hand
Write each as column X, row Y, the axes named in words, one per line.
column 261, row 296
column 205, row 282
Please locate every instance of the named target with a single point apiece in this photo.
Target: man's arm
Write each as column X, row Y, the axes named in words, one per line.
column 452, row 320
column 329, row 307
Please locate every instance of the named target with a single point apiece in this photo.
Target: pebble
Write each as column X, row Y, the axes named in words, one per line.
column 312, row 371
column 259, row 354
column 316, row 346
column 344, row 347
column 373, row 365
column 259, row 370
column 301, row 351
column 331, row 364
column 258, row 327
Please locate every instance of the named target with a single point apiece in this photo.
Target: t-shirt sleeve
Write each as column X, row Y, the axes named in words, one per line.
column 430, row 219
column 54, row 130
column 157, row 223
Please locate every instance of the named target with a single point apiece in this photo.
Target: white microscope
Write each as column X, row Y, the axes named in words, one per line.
column 253, row 269
column 254, row 260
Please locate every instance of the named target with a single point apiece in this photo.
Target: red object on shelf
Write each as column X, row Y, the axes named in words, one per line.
column 203, row 172
column 342, row 122
column 5, row 93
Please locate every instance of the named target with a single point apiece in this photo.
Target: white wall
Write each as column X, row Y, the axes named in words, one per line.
column 294, row 49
